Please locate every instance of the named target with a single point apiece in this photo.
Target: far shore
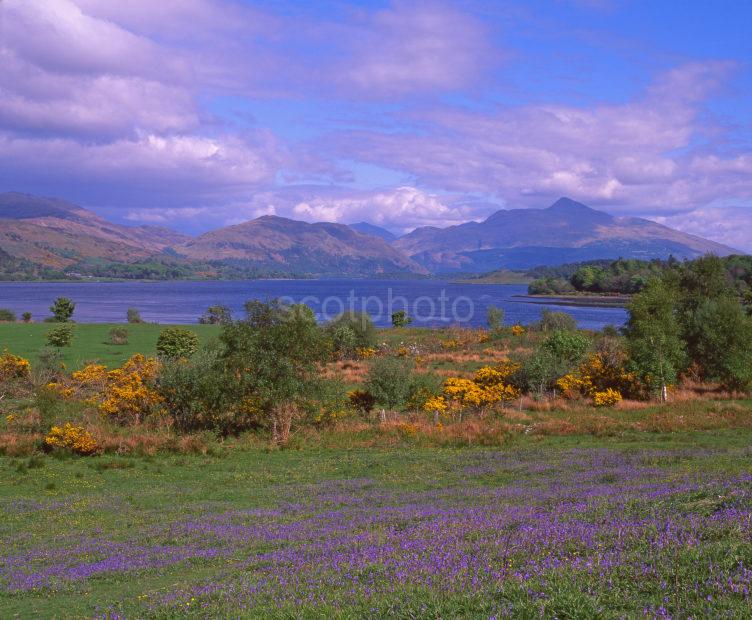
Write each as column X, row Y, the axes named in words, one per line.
column 593, row 300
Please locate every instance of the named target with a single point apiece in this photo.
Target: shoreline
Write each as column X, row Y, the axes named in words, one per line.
column 582, row 300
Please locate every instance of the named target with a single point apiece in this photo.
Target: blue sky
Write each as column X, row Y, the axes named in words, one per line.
column 198, row 113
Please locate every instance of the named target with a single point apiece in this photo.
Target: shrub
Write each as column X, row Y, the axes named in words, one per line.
column 118, row 335
column 62, row 310
column 216, row 315
column 195, row 396
column 129, row 395
column 518, row 330
column 60, row 336
column 552, row 321
column 133, row 316
column 361, row 400
column 495, row 319
column 568, row 347
column 390, row 381
column 49, row 365
column 351, row 331
column 26, row 317
column 7, row 316
column 423, row 385
column 74, row 438
column 13, row 367
column 176, row 343
column 607, row 398
column 400, row 319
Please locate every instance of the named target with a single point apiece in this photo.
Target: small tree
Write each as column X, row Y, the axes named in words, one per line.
column 133, row 316
column 177, row 343
column 567, row 347
column 7, row 316
column 657, row 352
column 26, row 317
column 552, row 321
column 351, row 331
column 60, row 336
column 390, row 381
column 400, row 319
column 216, row 315
column 62, row 310
column 495, row 319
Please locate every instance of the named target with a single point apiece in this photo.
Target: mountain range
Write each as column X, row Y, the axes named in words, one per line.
column 39, row 236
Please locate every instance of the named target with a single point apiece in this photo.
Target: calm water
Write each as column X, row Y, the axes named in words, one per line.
column 431, row 303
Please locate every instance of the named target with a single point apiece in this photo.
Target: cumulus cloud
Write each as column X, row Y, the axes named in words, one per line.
column 637, row 157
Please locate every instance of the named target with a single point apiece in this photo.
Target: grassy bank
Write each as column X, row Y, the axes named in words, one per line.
column 91, row 341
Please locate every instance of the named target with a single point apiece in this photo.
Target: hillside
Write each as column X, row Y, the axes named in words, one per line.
column 567, row 231
column 299, row 247
column 57, row 234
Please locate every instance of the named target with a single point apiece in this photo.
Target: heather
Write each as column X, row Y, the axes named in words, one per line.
column 658, row 526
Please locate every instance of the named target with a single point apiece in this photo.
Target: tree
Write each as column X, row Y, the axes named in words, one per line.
column 216, row 315
column 26, row 317
column 7, row 316
column 177, row 343
column 62, row 310
column 271, row 359
column 400, row 319
column 60, row 336
column 390, row 381
column 133, row 316
column 495, row 319
column 722, row 342
column 657, row 351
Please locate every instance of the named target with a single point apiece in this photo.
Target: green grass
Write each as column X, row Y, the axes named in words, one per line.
column 91, row 341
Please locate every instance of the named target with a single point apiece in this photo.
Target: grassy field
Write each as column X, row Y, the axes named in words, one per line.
column 571, row 527
column 91, row 341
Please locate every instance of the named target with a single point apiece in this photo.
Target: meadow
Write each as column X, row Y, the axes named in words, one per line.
column 649, row 525
column 91, row 341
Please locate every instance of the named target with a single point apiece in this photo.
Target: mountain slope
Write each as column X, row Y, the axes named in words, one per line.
column 567, row 231
column 374, row 231
column 58, row 234
column 299, row 247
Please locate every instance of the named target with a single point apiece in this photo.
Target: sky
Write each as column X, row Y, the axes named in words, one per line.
column 195, row 114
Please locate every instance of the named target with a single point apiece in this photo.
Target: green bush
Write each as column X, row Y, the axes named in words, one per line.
column 495, row 320
column 176, row 343
column 49, row 365
column 133, row 316
column 423, row 385
column 7, row 316
column 26, row 317
column 552, row 321
column 351, row 331
column 400, row 319
column 568, row 347
column 118, row 335
column 60, row 336
column 390, row 381
column 62, row 310
column 216, row 315
column 197, row 397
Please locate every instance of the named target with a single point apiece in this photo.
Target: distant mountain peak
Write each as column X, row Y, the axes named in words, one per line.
column 567, row 205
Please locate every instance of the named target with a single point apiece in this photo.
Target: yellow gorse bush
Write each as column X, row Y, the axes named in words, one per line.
column 606, row 398
column 13, row 367
column 126, row 393
column 487, row 388
column 517, row 330
column 598, row 375
column 74, row 438
column 435, row 403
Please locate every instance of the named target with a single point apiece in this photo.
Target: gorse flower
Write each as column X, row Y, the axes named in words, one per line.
column 606, row 398
column 13, row 367
column 74, row 438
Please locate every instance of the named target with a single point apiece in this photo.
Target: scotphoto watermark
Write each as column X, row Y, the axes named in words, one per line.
column 424, row 309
